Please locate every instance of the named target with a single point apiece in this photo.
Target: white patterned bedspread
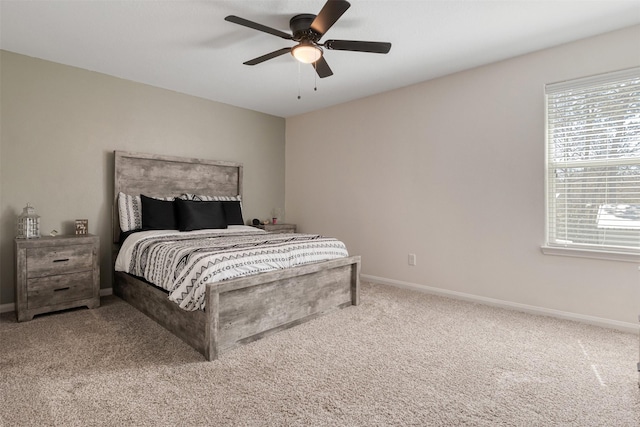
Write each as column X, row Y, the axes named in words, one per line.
column 183, row 262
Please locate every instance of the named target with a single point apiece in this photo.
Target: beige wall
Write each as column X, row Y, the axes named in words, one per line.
column 60, row 126
column 453, row 170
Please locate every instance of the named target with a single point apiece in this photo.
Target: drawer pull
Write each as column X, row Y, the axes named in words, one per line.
column 61, row 260
column 61, row 289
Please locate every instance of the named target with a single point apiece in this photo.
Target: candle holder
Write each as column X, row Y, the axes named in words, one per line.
column 28, row 223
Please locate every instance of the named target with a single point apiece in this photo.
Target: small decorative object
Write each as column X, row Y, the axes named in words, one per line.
column 53, row 233
column 82, row 226
column 275, row 214
column 28, row 223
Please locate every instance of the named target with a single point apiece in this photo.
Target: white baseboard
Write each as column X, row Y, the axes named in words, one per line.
column 592, row 320
column 6, row 308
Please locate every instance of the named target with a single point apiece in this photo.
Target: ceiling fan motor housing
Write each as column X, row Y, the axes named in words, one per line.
column 301, row 28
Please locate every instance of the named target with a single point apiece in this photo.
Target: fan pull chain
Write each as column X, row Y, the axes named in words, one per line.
column 299, row 80
column 315, row 78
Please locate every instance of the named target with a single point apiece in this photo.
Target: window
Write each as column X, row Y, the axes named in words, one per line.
column 593, row 163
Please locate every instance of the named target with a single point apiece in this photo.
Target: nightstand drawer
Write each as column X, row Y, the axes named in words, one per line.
column 47, row 261
column 45, row 291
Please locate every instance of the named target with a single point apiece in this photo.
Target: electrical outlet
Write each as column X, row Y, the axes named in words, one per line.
column 412, row 259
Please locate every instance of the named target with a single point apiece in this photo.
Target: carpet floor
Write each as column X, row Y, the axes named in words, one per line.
column 401, row 358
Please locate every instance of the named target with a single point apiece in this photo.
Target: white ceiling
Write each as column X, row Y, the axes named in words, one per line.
column 188, row 47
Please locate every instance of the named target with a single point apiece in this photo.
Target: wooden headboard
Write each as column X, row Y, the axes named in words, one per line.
column 156, row 175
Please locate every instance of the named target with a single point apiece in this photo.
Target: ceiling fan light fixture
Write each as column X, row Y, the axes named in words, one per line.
column 306, row 53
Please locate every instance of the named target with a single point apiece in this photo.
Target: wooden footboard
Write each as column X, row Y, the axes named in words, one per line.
column 243, row 310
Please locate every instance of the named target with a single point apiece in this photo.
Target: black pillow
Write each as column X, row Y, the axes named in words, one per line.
column 199, row 215
column 158, row 214
column 233, row 212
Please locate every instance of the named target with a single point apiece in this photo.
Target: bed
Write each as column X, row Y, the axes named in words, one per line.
column 236, row 311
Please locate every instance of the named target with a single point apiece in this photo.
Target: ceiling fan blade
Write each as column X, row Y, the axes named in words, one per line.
column 330, row 13
column 256, row 26
column 268, row 56
column 322, row 68
column 358, row 46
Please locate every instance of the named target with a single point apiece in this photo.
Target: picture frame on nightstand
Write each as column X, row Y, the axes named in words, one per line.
column 82, row 227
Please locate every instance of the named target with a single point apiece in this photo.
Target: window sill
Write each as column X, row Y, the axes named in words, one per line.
column 591, row 253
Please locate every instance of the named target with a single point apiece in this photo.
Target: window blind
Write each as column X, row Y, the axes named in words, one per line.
column 593, row 162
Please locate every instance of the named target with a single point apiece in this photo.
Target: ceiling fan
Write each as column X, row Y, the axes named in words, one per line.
column 307, row 29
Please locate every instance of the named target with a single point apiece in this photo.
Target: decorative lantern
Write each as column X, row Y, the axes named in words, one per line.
column 28, row 223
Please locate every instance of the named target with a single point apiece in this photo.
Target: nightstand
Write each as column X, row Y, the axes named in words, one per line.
column 278, row 228
column 56, row 273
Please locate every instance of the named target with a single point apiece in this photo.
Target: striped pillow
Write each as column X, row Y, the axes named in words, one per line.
column 130, row 211
column 202, row 198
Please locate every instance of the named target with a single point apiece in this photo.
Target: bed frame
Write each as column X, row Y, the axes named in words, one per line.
column 237, row 311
